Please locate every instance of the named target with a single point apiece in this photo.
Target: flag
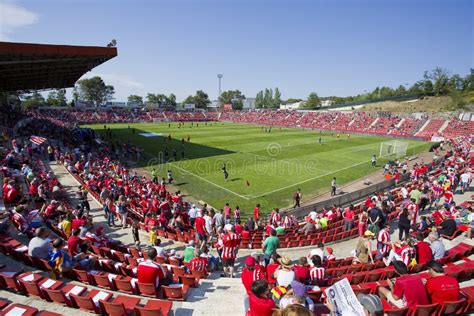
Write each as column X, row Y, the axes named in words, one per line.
column 248, row 183
column 37, row 140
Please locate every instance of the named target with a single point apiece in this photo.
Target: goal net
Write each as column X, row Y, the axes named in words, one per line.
column 393, row 149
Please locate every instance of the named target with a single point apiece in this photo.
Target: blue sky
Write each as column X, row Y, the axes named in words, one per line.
column 329, row 47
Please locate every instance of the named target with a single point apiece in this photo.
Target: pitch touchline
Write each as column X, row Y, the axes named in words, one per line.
column 311, row 179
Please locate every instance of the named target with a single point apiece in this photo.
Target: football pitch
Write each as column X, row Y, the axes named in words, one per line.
column 264, row 167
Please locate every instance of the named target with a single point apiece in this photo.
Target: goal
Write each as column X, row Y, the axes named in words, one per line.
column 393, row 149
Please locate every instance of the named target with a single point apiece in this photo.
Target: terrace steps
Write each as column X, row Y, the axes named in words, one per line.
column 423, row 127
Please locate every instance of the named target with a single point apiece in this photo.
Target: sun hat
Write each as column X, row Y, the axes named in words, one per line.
column 368, row 233
column 285, row 262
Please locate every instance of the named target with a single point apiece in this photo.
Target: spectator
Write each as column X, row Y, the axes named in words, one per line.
column 317, row 272
column 440, row 287
column 40, row 246
column 60, row 260
column 149, row 271
column 363, row 250
column 160, row 251
column 403, row 224
column 270, row 245
column 188, row 253
column 293, row 310
column 284, row 274
column 423, row 250
column 362, row 226
column 297, row 295
column 383, row 242
column 349, row 215
column 448, row 227
column 307, row 228
column 200, row 225
column 271, row 267
column 302, row 270
column 330, row 256
column 229, row 244
column 319, row 251
column 407, row 291
column 437, row 246
column 401, row 251
column 4, row 222
column 251, row 273
column 74, row 242
column 260, row 302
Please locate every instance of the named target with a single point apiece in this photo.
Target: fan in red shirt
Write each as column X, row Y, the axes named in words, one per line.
column 259, row 301
column 199, row 262
column 229, row 243
column 271, row 268
column 423, row 250
column 200, row 225
column 150, row 271
column 256, row 212
column 251, row 272
column 440, row 287
column 301, row 270
column 408, row 290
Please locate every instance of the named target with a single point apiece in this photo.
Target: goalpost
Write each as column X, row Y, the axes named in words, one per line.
column 393, row 149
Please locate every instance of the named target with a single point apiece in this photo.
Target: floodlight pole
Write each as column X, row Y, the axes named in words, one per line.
column 219, row 76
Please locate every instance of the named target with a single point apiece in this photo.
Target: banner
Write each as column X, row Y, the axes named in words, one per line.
column 437, row 139
column 37, row 140
column 343, row 299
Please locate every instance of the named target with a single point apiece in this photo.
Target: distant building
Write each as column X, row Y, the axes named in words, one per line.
column 326, row 103
column 213, row 106
column 291, row 106
column 249, row 103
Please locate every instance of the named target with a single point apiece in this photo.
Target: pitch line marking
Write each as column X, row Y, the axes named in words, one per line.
column 208, row 181
column 311, row 179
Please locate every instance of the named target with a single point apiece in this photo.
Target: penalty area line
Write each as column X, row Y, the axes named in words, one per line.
column 311, row 179
column 208, row 181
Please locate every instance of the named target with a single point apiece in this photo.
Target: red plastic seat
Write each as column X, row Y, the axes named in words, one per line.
column 175, row 293
column 48, row 313
column 148, row 289
column 123, row 284
column 154, row 307
column 396, row 311
column 373, row 276
column 190, row 281
column 90, row 302
column 102, row 280
column 425, row 310
column 62, row 296
column 29, row 311
column 3, row 303
column 358, row 278
column 453, row 307
column 121, row 305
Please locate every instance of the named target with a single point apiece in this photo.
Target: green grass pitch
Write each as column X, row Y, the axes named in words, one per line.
column 274, row 164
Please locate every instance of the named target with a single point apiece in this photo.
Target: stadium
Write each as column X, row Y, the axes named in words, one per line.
column 355, row 205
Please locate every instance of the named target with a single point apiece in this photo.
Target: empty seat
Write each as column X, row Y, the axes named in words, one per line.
column 62, row 296
column 90, row 302
column 154, row 308
column 121, row 305
column 175, row 292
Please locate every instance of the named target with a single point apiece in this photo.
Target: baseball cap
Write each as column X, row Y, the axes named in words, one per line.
column 368, row 233
column 250, row 261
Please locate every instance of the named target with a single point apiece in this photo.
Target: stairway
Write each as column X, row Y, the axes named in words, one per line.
column 422, row 127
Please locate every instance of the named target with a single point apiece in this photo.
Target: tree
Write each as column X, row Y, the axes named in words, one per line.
column 94, row 90
column 189, row 100
column 276, row 99
column 439, row 77
column 201, row 99
column 32, row 101
column 231, row 96
column 259, row 100
column 57, row 98
column 133, row 98
column 400, row 90
column 427, row 88
column 313, row 102
column 267, row 98
column 171, row 100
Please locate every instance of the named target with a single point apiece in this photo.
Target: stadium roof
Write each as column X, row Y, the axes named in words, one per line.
column 39, row 66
